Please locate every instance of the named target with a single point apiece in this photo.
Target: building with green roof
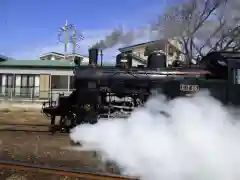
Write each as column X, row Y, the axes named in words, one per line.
column 34, row 79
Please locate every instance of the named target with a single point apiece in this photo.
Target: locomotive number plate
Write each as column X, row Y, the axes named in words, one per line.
column 189, row 88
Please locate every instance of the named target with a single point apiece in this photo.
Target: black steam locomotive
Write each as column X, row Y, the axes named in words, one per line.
column 103, row 92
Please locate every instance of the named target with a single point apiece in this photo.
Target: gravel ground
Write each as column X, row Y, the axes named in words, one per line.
column 23, row 116
column 39, row 148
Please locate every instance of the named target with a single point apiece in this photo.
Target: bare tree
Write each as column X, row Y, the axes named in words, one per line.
column 202, row 26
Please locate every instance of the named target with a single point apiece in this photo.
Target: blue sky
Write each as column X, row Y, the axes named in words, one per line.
column 30, row 27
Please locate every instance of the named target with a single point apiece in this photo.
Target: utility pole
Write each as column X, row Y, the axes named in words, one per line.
column 74, row 40
column 68, row 35
column 65, row 34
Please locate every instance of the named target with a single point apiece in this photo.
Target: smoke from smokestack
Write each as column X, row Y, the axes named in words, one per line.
column 128, row 37
column 119, row 36
column 199, row 141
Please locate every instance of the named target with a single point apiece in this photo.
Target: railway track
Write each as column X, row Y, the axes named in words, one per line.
column 27, row 128
column 62, row 171
column 22, row 124
column 22, row 127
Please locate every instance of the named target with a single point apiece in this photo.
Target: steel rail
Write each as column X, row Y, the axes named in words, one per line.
column 24, row 130
column 27, row 128
column 23, row 124
column 62, row 171
column 28, row 132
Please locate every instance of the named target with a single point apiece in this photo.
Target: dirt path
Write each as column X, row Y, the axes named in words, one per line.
column 39, row 148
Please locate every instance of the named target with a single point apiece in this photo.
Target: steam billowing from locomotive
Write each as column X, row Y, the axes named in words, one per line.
column 195, row 138
column 182, row 138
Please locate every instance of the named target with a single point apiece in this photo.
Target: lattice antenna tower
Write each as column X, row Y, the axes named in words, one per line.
column 68, row 35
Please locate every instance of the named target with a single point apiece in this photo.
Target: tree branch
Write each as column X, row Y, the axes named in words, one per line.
column 206, row 14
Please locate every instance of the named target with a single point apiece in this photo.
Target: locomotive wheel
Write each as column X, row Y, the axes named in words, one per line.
column 72, row 119
column 64, row 130
column 66, row 123
column 53, row 129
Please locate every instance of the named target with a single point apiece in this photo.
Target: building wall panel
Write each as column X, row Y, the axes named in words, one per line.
column 44, row 86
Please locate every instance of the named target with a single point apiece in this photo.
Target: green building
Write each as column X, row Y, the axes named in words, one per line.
column 34, row 79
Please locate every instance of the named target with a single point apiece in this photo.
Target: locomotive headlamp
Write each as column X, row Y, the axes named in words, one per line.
column 87, row 107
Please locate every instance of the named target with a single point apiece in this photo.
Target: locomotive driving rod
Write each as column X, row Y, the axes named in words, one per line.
column 62, row 171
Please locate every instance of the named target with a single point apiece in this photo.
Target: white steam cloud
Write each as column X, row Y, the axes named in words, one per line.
column 196, row 139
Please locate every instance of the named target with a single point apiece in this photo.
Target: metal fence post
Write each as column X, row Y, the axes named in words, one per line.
column 11, row 92
column 31, row 95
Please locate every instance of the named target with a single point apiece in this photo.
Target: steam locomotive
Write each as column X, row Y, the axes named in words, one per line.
column 103, row 92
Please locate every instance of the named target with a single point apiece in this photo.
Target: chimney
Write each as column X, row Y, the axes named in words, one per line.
column 93, row 56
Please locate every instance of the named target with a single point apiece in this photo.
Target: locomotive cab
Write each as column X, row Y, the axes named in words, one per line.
column 221, row 64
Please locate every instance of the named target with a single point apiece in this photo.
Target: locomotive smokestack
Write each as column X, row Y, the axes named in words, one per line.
column 93, row 56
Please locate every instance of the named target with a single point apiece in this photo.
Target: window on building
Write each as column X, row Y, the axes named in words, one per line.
column 59, row 82
column 146, row 51
column 129, row 52
column 72, row 83
column 25, row 89
column 8, row 84
column 2, row 88
column 29, row 87
column 171, row 50
column 0, row 79
column 19, row 85
column 36, row 86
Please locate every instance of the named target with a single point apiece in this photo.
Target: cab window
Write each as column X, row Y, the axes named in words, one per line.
column 236, row 76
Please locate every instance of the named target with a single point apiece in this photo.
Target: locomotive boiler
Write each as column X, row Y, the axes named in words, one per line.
column 114, row 91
